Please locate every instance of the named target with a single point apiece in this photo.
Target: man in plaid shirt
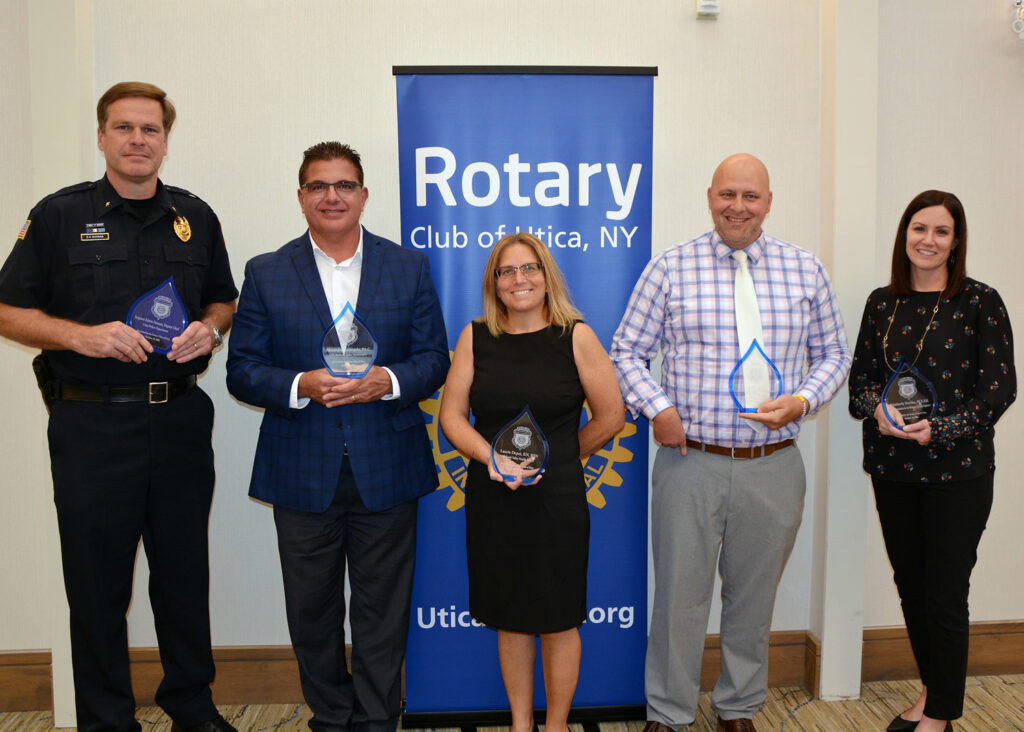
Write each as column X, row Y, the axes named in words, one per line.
column 727, row 486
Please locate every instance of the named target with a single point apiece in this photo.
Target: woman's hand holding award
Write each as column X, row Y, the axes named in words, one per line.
column 909, row 394
column 520, row 450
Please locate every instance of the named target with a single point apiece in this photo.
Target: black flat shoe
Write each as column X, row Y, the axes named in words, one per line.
column 901, row 725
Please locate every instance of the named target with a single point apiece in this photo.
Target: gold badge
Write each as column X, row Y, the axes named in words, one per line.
column 182, row 229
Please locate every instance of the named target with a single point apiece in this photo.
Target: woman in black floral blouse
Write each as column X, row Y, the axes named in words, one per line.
column 933, row 478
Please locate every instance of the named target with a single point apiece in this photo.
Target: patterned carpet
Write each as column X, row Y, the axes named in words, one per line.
column 993, row 703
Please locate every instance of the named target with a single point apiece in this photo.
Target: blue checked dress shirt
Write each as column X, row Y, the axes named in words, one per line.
column 683, row 305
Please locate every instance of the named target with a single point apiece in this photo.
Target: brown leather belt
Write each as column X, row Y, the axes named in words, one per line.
column 155, row 392
column 740, row 453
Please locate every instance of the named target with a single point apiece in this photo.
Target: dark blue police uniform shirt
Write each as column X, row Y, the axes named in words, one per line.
column 85, row 257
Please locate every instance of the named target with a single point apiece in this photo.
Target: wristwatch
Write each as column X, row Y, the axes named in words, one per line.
column 218, row 337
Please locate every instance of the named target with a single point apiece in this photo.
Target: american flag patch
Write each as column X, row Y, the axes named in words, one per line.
column 24, row 229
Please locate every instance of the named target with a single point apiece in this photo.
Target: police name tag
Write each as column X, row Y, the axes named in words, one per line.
column 95, row 232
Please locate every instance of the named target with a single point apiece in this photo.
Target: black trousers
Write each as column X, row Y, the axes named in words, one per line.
column 380, row 550
column 121, row 472
column 931, row 533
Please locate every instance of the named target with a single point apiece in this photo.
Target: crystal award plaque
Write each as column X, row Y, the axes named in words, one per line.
column 159, row 316
column 348, row 349
column 774, row 377
column 520, row 449
column 910, row 394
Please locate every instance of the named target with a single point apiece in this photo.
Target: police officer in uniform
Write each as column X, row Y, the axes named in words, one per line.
column 129, row 430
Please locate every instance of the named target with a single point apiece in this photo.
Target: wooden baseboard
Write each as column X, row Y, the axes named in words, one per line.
column 245, row 675
column 26, row 683
column 270, row 674
column 812, row 665
column 995, row 648
column 786, row 659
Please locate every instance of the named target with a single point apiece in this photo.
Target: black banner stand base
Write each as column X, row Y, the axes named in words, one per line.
column 589, row 717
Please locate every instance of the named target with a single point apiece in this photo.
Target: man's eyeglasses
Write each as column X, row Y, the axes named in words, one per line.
column 529, row 269
column 319, row 188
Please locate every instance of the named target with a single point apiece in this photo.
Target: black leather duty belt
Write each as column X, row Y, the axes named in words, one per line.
column 740, row 453
column 155, row 392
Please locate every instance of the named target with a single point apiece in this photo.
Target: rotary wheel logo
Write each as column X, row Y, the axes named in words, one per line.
column 598, row 470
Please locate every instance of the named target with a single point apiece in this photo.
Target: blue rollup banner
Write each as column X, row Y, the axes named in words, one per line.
column 566, row 157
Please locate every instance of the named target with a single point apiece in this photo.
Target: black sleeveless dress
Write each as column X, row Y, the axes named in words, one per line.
column 527, row 549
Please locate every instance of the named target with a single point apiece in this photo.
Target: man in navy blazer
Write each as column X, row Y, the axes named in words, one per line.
column 342, row 460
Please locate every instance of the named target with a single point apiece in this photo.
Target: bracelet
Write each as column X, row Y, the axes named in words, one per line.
column 804, row 403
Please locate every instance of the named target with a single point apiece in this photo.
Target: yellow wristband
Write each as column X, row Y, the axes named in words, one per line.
column 806, row 404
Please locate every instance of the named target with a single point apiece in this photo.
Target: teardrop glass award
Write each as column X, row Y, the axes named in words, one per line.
column 520, row 449
column 159, row 316
column 753, row 395
column 348, row 349
column 910, row 394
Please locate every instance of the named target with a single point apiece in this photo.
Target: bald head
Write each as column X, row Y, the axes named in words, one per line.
column 739, row 199
column 742, row 164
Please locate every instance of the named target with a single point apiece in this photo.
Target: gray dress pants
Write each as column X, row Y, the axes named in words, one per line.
column 743, row 516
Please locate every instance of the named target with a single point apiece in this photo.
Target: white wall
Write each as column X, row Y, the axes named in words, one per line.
column 25, row 478
column 294, row 74
column 951, row 105
column 256, row 82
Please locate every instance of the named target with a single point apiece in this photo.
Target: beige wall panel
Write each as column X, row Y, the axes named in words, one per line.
column 951, row 101
column 25, row 492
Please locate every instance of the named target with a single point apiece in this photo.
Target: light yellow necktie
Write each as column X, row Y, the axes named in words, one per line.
column 756, row 389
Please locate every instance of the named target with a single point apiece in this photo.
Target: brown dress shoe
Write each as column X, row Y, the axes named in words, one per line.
column 736, row 725
column 657, row 727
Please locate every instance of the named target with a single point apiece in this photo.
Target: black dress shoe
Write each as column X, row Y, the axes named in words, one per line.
column 217, row 724
column 900, row 725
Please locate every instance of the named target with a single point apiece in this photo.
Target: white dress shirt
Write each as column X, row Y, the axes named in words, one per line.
column 340, row 281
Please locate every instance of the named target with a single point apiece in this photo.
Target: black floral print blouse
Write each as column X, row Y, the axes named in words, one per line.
column 967, row 356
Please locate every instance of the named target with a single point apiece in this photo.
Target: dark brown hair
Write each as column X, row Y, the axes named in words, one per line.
column 956, row 265
column 329, row 151
column 135, row 89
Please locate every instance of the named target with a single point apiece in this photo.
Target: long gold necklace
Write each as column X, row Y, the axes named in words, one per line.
column 920, row 343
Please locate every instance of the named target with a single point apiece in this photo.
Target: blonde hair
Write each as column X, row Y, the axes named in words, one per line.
column 557, row 300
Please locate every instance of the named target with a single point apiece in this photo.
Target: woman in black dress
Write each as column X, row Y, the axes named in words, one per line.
column 527, row 529
column 933, row 478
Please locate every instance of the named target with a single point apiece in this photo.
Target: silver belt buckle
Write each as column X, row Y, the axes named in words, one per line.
column 157, row 399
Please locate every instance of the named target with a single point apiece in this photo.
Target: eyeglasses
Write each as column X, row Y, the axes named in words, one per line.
column 319, row 188
column 529, row 269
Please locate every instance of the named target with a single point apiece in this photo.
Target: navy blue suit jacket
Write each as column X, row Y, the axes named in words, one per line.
column 277, row 332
